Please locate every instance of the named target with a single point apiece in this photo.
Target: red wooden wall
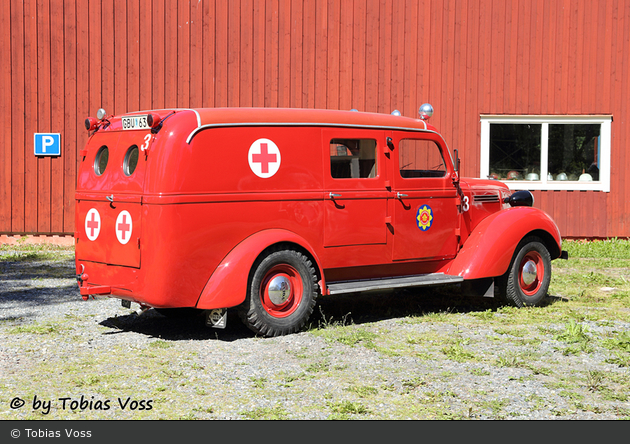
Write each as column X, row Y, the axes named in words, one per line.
column 63, row 59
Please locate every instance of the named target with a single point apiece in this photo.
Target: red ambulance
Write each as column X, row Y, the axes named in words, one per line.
column 265, row 209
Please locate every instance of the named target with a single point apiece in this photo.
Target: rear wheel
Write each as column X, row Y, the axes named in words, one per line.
column 281, row 295
column 527, row 280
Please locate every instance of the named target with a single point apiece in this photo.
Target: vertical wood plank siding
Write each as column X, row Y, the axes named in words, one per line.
column 64, row 59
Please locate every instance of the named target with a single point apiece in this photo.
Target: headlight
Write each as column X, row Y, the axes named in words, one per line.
column 521, row 198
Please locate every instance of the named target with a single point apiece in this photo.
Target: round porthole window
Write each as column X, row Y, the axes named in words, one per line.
column 100, row 162
column 131, row 160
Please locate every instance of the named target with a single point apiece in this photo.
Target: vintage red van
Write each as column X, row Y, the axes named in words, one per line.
column 265, row 209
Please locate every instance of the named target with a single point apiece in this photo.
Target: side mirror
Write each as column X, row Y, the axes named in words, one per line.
column 457, row 161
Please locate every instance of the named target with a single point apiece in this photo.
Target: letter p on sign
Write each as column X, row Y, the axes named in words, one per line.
column 47, row 144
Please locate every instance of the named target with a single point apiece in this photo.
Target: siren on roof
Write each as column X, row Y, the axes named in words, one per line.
column 425, row 111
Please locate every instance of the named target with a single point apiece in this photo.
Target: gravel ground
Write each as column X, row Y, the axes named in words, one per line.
column 82, row 357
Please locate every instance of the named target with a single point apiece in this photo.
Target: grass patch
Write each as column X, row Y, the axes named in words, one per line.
column 610, row 248
column 574, row 333
column 349, row 336
column 160, row 344
column 317, row 367
column 619, row 343
column 456, row 352
column 594, row 380
column 480, row 372
column 39, row 329
column 258, row 382
column 496, row 405
column 363, row 391
column 345, row 408
column 408, row 385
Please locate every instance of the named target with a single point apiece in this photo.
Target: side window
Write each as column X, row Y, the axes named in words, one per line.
column 353, row 158
column 420, row 158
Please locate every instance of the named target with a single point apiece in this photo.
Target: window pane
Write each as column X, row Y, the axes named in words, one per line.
column 515, row 151
column 100, row 162
column 131, row 160
column 420, row 158
column 573, row 151
column 353, row 158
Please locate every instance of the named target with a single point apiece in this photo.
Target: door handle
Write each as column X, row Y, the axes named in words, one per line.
column 400, row 195
column 333, row 195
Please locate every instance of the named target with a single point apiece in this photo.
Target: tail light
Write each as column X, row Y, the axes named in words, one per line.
column 153, row 120
column 91, row 123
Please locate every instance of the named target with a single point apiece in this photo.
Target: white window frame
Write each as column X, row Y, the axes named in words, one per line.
column 603, row 184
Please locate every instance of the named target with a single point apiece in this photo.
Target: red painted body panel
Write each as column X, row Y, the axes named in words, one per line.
column 228, row 285
column 213, row 188
column 489, row 248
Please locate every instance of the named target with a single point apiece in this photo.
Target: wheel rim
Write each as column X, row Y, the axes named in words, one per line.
column 531, row 273
column 281, row 290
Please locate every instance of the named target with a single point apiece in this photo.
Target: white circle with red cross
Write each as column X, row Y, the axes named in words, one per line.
column 92, row 224
column 124, row 227
column 264, row 158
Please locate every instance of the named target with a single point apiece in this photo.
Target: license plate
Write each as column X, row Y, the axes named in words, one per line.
column 135, row 122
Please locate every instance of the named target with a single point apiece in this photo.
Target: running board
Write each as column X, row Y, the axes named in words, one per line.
column 420, row 280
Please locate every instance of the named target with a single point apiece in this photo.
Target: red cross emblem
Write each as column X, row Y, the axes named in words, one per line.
column 124, row 227
column 264, row 158
column 92, row 224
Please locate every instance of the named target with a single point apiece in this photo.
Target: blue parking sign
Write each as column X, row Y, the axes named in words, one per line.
column 47, row 144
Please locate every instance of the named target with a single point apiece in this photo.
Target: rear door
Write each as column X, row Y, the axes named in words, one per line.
column 109, row 198
column 355, row 202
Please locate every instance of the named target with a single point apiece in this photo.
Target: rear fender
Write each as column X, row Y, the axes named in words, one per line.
column 489, row 249
column 227, row 287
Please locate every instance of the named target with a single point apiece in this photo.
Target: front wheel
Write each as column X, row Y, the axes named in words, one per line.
column 281, row 295
column 527, row 280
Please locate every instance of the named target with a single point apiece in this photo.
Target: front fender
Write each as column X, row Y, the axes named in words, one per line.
column 489, row 249
column 227, row 287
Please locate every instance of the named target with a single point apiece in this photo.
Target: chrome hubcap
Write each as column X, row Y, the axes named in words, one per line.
column 529, row 273
column 279, row 290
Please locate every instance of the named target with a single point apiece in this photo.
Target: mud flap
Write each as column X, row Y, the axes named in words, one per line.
column 479, row 287
column 216, row 318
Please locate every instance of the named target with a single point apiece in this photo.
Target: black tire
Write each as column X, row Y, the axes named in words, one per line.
column 281, row 295
column 527, row 280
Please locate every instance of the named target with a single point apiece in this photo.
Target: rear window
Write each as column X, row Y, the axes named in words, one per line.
column 131, row 160
column 100, row 162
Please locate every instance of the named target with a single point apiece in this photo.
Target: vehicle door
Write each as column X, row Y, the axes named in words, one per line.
column 109, row 197
column 355, row 200
column 425, row 205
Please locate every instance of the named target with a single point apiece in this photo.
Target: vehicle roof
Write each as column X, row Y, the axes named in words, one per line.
column 206, row 118
column 305, row 116
column 214, row 117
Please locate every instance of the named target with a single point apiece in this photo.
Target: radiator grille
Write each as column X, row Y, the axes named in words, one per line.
column 487, row 198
